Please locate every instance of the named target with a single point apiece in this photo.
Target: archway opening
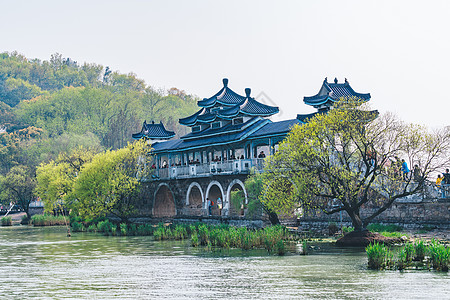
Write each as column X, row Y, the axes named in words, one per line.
column 195, row 201
column 215, row 195
column 237, row 200
column 164, row 203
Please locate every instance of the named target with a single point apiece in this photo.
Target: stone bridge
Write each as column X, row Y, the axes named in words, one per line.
column 168, row 198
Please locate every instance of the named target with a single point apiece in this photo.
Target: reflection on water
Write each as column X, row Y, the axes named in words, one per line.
column 44, row 263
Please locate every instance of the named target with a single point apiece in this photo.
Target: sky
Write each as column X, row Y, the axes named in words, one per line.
column 398, row 51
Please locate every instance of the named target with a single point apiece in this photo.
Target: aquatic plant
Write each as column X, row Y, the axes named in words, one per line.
column 105, row 226
column 419, row 250
column 48, row 220
column 77, row 227
column 123, row 229
column 439, row 256
column 377, row 255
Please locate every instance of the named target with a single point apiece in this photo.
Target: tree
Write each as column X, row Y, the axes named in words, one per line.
column 17, row 186
column 110, row 182
column 56, row 179
column 342, row 160
column 254, row 186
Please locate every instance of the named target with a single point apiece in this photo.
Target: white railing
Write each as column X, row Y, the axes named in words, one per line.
column 237, row 166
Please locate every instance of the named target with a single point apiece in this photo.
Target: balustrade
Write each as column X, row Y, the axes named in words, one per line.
column 238, row 166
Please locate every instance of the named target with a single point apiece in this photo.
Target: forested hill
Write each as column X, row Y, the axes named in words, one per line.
column 60, row 99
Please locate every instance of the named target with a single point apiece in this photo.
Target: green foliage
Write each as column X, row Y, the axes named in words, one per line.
column 439, row 256
column 346, row 229
column 77, row 227
column 409, row 256
column 48, row 220
column 342, row 155
column 108, row 184
column 105, row 226
column 378, row 256
column 17, row 186
column 419, row 250
column 377, row 227
column 6, row 221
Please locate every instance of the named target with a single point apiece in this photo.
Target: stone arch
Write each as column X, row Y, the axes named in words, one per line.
column 195, row 199
column 164, row 202
column 213, row 192
column 232, row 184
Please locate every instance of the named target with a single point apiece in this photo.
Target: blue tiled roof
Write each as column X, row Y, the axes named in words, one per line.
column 224, row 138
column 254, row 108
column 191, row 120
column 225, row 96
column 154, row 131
column 333, row 92
column 233, row 104
column 221, row 130
column 275, row 128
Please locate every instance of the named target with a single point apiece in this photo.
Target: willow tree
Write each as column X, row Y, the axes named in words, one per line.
column 109, row 183
column 350, row 156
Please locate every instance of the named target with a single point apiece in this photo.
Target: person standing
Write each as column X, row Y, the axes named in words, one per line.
column 445, row 183
column 438, row 185
column 405, row 169
column 208, row 205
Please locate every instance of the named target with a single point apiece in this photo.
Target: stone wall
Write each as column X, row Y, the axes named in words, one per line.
column 408, row 215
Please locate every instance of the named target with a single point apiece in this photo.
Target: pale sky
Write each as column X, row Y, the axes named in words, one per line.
column 398, row 51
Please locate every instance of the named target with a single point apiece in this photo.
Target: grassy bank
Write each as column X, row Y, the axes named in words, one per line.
column 417, row 255
column 274, row 239
column 6, row 221
column 48, row 220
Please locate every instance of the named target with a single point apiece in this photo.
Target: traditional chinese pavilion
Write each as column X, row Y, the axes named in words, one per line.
column 230, row 134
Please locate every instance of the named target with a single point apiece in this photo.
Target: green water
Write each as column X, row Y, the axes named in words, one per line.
column 43, row 263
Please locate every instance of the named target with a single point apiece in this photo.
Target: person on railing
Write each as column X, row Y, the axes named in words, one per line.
column 405, row 169
column 445, row 183
column 439, row 185
column 261, row 155
column 242, row 156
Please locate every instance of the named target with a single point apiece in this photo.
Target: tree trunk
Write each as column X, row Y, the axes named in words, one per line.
column 356, row 220
column 273, row 218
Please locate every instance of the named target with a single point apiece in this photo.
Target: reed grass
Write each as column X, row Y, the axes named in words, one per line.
column 434, row 255
column 6, row 221
column 48, row 220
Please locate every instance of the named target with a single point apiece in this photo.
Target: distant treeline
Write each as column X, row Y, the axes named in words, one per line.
column 61, row 96
column 51, row 109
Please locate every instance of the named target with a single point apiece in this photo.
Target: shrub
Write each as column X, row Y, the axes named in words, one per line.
column 6, row 221
column 123, row 229
column 48, row 220
column 105, row 226
column 92, row 228
column 77, row 227
column 346, row 229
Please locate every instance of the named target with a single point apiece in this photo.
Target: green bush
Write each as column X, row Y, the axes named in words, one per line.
column 6, row 221
column 123, row 229
column 48, row 220
column 346, row 229
column 105, row 226
column 92, row 228
column 77, row 227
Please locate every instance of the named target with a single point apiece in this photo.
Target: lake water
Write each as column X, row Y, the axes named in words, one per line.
column 43, row 263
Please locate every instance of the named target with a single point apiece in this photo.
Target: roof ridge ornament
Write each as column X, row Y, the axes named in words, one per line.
column 346, row 81
column 335, row 80
column 225, row 82
column 248, row 92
